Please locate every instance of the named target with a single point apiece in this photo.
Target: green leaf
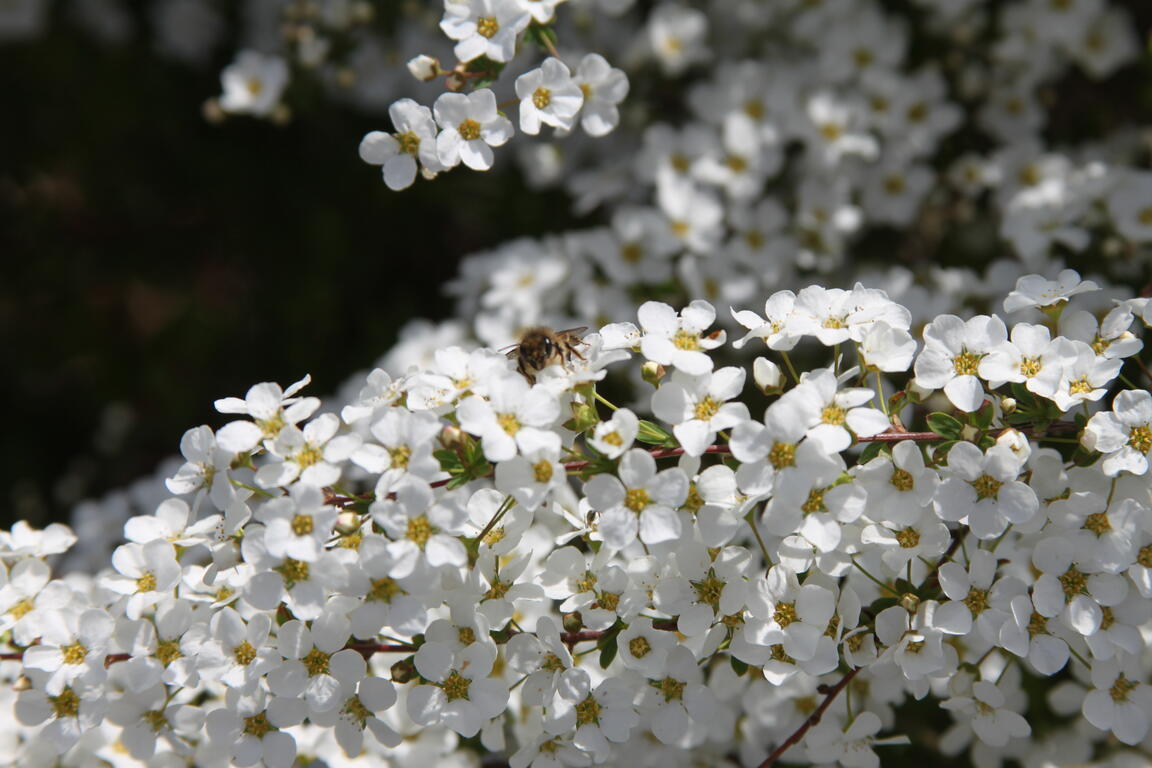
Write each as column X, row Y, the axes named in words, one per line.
column 449, row 460
column 738, row 666
column 584, row 417
column 1082, row 457
column 542, row 35
column 940, row 455
column 654, row 434
column 982, row 418
column 608, row 650
column 871, row 451
column 945, row 425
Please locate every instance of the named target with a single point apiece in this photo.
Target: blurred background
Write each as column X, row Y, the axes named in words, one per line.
column 153, row 262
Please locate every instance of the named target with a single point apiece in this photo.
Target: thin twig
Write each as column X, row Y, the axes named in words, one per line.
column 811, row 720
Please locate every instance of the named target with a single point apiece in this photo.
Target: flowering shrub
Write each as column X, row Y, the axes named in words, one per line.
column 709, row 533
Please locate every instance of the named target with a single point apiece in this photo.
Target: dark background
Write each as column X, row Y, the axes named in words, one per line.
column 153, row 262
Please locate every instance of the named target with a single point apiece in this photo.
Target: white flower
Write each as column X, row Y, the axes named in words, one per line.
column 677, row 36
column 515, row 418
column 833, row 417
column 414, row 139
column 1085, row 375
column 679, row 339
column 641, row 502
column 1036, row 291
column 851, row 747
column 1124, row 434
column 548, row 95
column 982, row 490
column 271, row 409
column 950, row 360
column 1031, row 357
column 614, row 436
column 248, row 729
column 992, row 721
column 776, row 328
column 697, row 406
column 470, row 127
column 253, row 84
column 484, row 28
column 604, row 87
column 898, row 486
column 1121, row 702
column 298, row 526
column 147, row 571
column 206, row 469
column 461, row 697
column 311, row 455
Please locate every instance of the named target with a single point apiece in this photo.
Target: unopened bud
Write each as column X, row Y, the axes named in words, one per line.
column 1015, row 441
column 768, row 376
column 403, row 671
column 347, row 523
column 452, row 437
column 1008, row 405
column 910, row 602
column 652, row 372
column 573, row 622
column 423, row 67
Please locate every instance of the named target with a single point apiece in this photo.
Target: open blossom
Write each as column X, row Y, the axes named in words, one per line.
column 953, row 351
column 470, row 126
column 1124, row 433
column 484, row 27
column 641, row 502
column 397, row 153
column 1036, row 291
column 604, row 87
column 548, row 95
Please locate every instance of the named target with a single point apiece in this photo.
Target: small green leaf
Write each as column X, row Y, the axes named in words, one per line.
column 654, row 434
column 871, row 451
column 608, row 650
column 945, row 425
column 738, row 666
column 1082, row 457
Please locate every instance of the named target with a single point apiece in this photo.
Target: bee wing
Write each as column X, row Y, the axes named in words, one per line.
column 577, row 332
column 510, row 351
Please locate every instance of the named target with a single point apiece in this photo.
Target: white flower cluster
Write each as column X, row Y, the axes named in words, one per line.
column 462, row 554
column 463, row 128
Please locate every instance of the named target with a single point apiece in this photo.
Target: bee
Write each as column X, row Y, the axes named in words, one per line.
column 541, row 347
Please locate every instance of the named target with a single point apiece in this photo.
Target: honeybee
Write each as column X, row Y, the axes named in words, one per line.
column 541, row 347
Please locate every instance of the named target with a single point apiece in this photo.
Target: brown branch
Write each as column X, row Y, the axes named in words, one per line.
column 812, row 719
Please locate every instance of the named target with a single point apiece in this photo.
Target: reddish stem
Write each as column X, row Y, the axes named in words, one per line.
column 811, row 720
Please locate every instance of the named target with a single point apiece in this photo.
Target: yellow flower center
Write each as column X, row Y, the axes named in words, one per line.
column 976, row 600
column 908, row 538
column 302, row 525
column 146, row 582
column 542, row 471
column 383, row 590
column 706, row 408
column 1029, row 367
column 902, row 479
column 293, row 571
column 782, row 455
column 455, row 686
column 74, row 654
column 639, row 647
column 785, row 613
column 815, row 502
column 670, row 687
column 613, row 438
column 1121, row 688
column 469, row 130
column 400, row 456
column 1073, row 582
column 508, row 423
column 244, row 653
column 487, row 26
column 258, row 725
column 419, row 530
column 1098, row 523
column 1080, row 386
column 709, row 589
column 66, row 704
column 986, row 487
column 966, row 363
column 409, row 142
column 834, row 415
column 588, row 711
column 168, row 651
column 316, row 662
column 637, row 499
column 686, row 340
column 541, row 98
column 1140, row 438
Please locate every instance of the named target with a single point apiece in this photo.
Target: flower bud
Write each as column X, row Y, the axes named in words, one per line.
column 768, row 376
column 403, row 671
column 347, row 523
column 573, row 622
column 423, row 67
column 652, row 372
column 910, row 602
column 1008, row 405
column 452, row 438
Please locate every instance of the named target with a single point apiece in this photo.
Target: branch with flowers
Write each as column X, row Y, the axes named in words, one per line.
column 512, row 542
